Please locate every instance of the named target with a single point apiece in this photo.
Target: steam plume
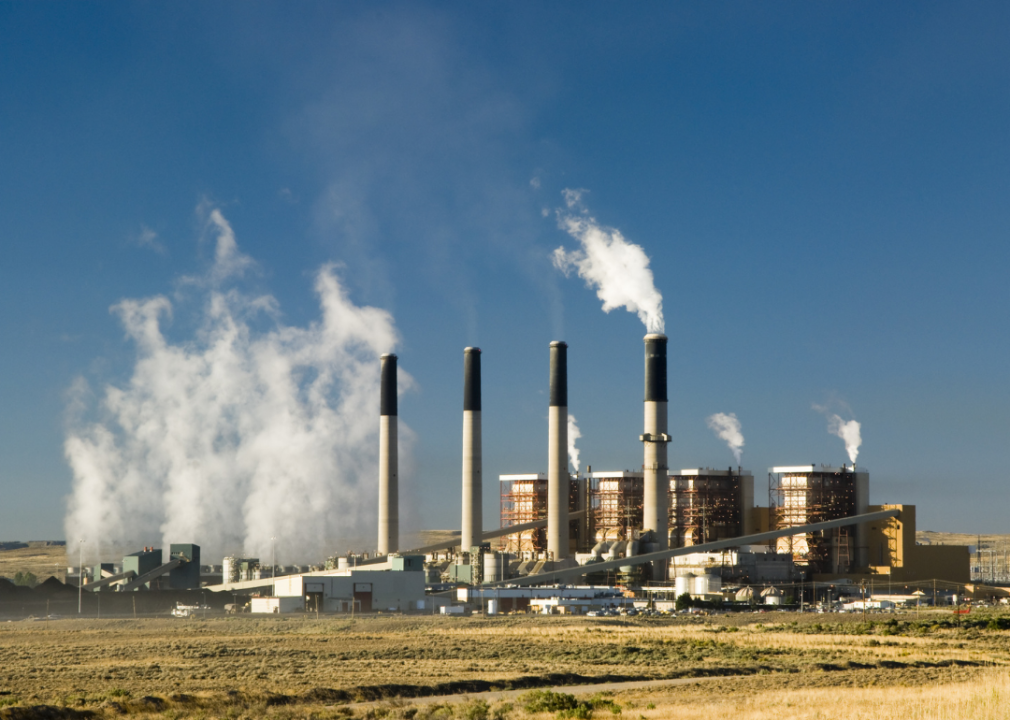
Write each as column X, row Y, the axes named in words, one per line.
column 727, row 427
column 251, row 429
column 847, row 430
column 618, row 269
column 573, row 434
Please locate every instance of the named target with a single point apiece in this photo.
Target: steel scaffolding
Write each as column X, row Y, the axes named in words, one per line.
column 812, row 496
column 704, row 508
column 615, row 505
column 524, row 500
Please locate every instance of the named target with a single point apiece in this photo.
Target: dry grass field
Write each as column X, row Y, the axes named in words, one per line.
column 758, row 665
column 43, row 561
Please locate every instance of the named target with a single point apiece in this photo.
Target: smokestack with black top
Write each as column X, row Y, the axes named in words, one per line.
column 557, row 454
column 655, row 511
column 472, row 494
column 389, row 501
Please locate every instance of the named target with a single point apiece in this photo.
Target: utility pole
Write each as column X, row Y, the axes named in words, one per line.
column 273, row 566
column 80, row 575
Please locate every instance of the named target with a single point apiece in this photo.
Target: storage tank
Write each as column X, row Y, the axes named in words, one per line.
column 706, row 584
column 496, row 566
column 341, row 563
column 682, row 585
column 492, row 607
column 230, row 569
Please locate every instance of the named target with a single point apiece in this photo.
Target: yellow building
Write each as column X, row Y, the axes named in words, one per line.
column 894, row 553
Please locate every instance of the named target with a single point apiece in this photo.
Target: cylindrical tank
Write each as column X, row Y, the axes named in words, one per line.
column 706, row 584
column 341, row 563
column 492, row 607
column 231, row 569
column 492, row 567
column 682, row 585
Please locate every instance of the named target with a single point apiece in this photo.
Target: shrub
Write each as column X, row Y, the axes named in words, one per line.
column 26, row 579
column 536, row 701
column 473, row 710
column 501, row 711
column 582, row 711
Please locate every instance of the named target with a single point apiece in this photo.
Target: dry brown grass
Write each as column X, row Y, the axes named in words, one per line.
column 984, row 697
column 269, row 666
column 43, row 561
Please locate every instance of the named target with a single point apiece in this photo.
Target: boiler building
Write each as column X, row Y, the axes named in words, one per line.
column 708, row 505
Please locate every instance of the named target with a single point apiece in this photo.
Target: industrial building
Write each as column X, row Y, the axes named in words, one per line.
column 631, row 534
column 346, row 591
column 894, row 554
column 144, row 570
column 805, row 494
column 524, row 499
column 707, row 504
column 704, row 505
column 616, row 500
column 625, row 527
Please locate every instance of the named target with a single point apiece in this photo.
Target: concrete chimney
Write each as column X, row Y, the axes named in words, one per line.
column 389, row 501
column 557, row 454
column 655, row 506
column 472, row 525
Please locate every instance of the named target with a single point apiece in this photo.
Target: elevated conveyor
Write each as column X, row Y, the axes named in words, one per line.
column 128, row 575
column 569, row 574
column 151, row 575
column 489, row 535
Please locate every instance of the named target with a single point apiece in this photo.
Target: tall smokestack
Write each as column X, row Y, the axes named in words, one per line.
column 389, row 501
column 655, row 505
column 472, row 497
column 557, row 454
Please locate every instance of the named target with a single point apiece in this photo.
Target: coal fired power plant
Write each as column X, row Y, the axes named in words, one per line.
column 644, row 533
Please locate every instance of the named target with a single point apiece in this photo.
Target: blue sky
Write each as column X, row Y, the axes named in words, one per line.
column 822, row 190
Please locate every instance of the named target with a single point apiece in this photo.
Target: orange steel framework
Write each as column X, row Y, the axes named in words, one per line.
column 615, row 505
column 524, row 500
column 803, row 498
column 704, row 508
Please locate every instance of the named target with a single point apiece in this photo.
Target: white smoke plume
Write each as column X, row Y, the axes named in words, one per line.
column 847, row 430
column 618, row 269
column 247, row 431
column 727, row 427
column 573, row 434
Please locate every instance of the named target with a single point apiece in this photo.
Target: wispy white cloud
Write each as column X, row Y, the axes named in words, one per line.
column 148, row 238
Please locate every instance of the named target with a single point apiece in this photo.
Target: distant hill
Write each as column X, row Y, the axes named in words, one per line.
column 40, row 559
column 932, row 537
